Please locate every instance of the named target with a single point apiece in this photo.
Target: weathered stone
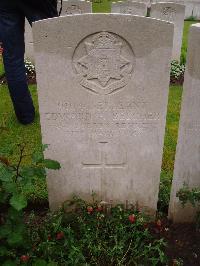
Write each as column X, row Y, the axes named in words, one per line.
column 173, row 13
column 71, row 7
column 103, row 92
column 129, row 7
column 29, row 53
column 187, row 166
column 192, row 7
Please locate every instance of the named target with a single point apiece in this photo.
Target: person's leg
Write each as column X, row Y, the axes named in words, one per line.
column 12, row 37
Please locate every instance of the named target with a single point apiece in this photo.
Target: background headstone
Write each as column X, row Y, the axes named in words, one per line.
column 187, row 161
column 103, row 92
column 173, row 13
column 29, row 51
column 192, row 7
column 129, row 7
column 71, row 7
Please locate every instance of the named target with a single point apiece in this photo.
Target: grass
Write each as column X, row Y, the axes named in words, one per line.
column 31, row 134
column 1, row 68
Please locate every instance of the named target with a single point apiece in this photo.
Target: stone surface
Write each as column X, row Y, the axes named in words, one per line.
column 129, row 7
column 103, row 92
column 29, row 52
column 71, row 7
column 173, row 13
column 192, row 7
column 187, row 166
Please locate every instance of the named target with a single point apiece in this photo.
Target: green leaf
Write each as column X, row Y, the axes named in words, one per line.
column 52, row 263
column 15, row 239
column 44, row 147
column 5, row 173
column 37, row 157
column 3, row 196
column 10, row 187
column 9, row 263
column 15, row 215
column 40, row 262
column 3, row 251
column 5, row 230
column 18, row 202
column 27, row 172
column 51, row 164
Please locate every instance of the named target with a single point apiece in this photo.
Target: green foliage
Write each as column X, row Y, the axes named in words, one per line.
column 101, row 6
column 192, row 18
column 177, row 70
column 2, row 71
column 164, row 192
column 95, row 234
column 15, row 179
column 192, row 196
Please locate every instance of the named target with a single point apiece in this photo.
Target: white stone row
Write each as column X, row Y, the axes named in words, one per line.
column 103, row 96
column 192, row 7
column 187, row 160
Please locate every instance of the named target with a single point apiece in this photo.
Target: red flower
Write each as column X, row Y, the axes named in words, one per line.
column 89, row 209
column 158, row 224
column 132, row 218
column 49, row 237
column 60, row 235
column 99, row 209
column 24, row 258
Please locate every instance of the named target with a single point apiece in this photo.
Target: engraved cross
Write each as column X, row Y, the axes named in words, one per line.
column 103, row 164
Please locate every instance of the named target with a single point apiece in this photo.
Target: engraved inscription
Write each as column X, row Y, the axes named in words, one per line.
column 73, row 9
column 126, row 10
column 103, row 62
column 105, row 118
column 168, row 13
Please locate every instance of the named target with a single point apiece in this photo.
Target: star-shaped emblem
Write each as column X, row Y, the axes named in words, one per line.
column 103, row 61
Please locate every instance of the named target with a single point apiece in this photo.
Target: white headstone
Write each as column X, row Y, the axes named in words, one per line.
column 103, row 92
column 192, row 7
column 187, row 161
column 29, row 52
column 173, row 13
column 71, row 7
column 129, row 7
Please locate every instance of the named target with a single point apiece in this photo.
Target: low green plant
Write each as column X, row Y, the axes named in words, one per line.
column 192, row 18
column 192, row 196
column 15, row 180
column 177, row 69
column 90, row 234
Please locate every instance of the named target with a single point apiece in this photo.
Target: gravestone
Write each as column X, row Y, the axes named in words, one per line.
column 192, row 7
column 129, row 7
column 29, row 52
column 187, row 161
column 103, row 93
column 173, row 13
column 71, row 7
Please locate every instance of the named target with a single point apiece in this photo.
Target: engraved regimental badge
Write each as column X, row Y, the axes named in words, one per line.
column 73, row 9
column 168, row 13
column 103, row 62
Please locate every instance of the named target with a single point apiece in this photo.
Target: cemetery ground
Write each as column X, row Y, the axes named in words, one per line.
column 55, row 237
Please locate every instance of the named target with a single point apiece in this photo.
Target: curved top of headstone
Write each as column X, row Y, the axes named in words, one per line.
column 159, row 5
column 129, row 7
column 149, row 28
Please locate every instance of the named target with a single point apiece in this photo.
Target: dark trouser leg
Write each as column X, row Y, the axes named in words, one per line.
column 12, row 37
